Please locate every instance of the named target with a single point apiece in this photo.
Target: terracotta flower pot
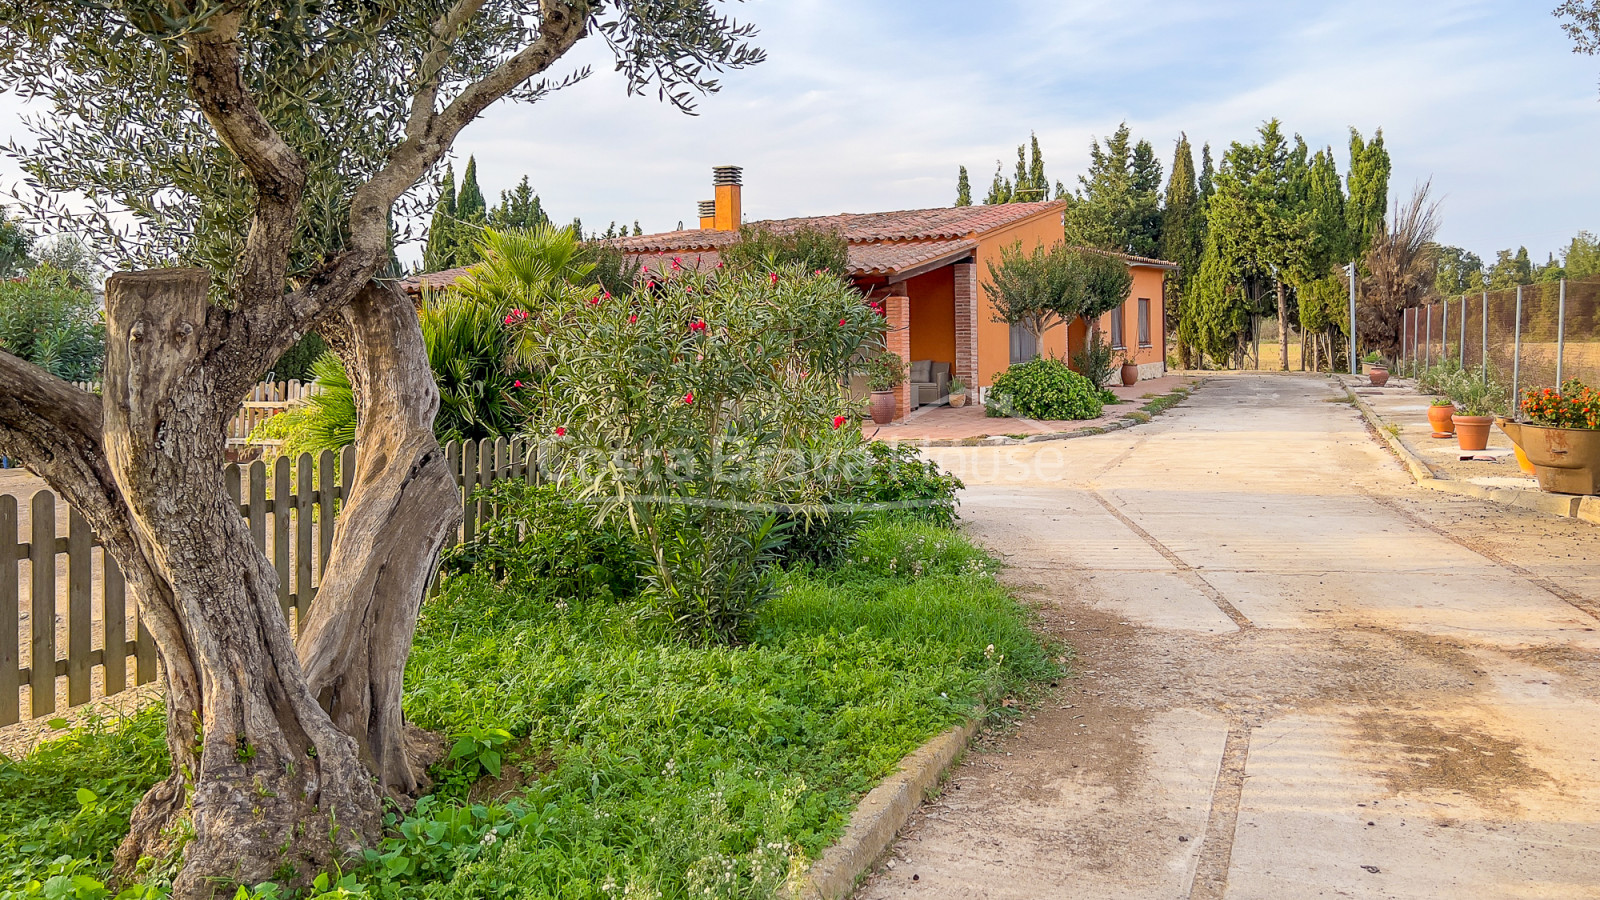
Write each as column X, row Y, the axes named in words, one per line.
column 1439, row 417
column 883, row 407
column 1130, row 374
column 1567, row 460
column 1379, row 375
column 1472, row 432
column 958, row 400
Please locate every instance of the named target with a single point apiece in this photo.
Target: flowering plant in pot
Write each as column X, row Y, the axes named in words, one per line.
column 1562, row 437
column 958, row 392
column 1440, row 413
column 885, row 371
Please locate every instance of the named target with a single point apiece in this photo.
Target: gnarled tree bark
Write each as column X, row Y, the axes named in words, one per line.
column 264, row 778
column 354, row 643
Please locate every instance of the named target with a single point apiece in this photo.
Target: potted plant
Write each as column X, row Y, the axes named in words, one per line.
column 885, row 372
column 1130, row 371
column 1439, row 416
column 958, row 393
column 1562, row 437
column 1377, row 369
column 1477, row 400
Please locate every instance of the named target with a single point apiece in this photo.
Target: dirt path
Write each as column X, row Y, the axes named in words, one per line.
column 1299, row 675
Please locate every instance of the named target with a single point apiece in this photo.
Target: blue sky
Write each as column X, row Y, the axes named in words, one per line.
column 872, row 106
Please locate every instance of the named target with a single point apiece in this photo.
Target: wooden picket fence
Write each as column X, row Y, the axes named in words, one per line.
column 266, row 400
column 92, row 637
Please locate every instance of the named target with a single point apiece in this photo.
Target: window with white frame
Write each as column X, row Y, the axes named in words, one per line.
column 1119, row 341
column 1144, row 321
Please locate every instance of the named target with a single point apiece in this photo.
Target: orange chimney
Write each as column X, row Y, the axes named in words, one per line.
column 730, row 208
column 708, row 215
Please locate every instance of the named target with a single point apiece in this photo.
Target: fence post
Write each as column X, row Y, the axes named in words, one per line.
column 1485, row 347
column 10, row 637
column 1561, row 332
column 1355, row 368
column 1462, row 348
column 1429, row 345
column 1444, row 333
column 1516, row 361
column 42, row 621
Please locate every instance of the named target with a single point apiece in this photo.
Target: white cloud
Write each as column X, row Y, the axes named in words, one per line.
column 866, row 106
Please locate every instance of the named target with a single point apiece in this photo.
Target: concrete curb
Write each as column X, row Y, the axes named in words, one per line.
column 1127, row 420
column 1570, row 507
column 881, row 814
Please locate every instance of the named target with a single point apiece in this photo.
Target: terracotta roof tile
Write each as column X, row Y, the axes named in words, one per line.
column 885, row 258
column 943, row 223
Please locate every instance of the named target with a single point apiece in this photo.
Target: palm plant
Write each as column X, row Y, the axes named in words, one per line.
column 1400, row 267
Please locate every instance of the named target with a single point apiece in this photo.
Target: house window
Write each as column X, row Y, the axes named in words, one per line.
column 1144, row 321
column 1024, row 346
column 1119, row 340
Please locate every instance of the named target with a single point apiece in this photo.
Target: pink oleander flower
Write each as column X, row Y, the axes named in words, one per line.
column 632, row 319
column 676, row 264
column 561, row 431
column 697, row 325
column 838, row 422
column 689, row 398
column 773, row 277
column 516, row 384
column 841, row 321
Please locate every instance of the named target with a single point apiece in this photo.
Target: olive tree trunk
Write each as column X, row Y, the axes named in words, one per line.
column 354, row 643
column 266, row 783
column 1283, row 327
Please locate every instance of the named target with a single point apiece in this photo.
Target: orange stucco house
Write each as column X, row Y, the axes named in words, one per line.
column 929, row 265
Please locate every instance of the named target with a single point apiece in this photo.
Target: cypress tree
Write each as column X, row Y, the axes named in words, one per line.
column 519, row 209
column 1038, row 184
column 440, row 252
column 1369, row 190
column 963, row 189
column 1208, row 175
column 470, row 206
column 1182, row 240
column 1000, row 190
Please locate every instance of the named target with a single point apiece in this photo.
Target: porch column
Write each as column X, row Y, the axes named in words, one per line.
column 897, row 312
column 966, row 275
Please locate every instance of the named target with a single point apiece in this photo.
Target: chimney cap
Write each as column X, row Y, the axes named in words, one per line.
column 721, row 175
column 708, row 208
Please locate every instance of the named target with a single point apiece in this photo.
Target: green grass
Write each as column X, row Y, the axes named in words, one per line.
column 635, row 760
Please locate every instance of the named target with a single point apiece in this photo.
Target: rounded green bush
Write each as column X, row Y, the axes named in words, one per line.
column 1043, row 389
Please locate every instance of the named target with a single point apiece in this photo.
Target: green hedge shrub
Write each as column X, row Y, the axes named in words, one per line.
column 1043, row 389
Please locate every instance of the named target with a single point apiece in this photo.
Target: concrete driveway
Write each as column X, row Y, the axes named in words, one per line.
column 1297, row 675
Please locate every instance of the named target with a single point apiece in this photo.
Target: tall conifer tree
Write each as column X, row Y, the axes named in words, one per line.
column 963, row 189
column 1182, row 241
column 1369, row 190
column 440, row 253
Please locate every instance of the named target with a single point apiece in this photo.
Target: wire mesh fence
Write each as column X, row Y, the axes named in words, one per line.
column 1534, row 336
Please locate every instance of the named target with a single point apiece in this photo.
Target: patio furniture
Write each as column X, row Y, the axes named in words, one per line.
column 930, row 382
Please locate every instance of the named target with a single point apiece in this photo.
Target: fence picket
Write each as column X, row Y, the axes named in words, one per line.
column 327, row 495
column 114, row 616
column 42, row 620
column 302, row 535
column 485, row 476
column 80, row 614
column 280, row 530
column 258, row 504
column 469, row 479
column 452, row 461
column 10, row 640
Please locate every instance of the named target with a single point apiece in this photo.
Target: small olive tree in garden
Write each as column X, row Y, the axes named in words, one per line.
column 265, row 148
column 709, row 411
column 1054, row 286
